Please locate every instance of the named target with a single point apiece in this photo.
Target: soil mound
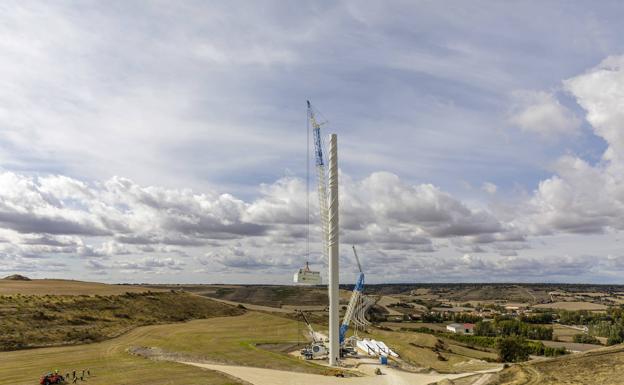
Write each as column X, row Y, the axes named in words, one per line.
column 17, row 277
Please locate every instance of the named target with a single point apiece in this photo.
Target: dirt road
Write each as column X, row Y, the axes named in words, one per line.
column 254, row 307
column 258, row 376
column 386, row 301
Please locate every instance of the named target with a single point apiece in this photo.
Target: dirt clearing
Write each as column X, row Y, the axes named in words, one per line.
column 390, row 376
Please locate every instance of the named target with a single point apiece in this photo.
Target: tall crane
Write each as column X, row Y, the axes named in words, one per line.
column 321, row 179
column 355, row 302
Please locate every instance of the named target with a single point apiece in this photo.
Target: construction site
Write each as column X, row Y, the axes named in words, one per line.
column 315, row 331
column 311, row 192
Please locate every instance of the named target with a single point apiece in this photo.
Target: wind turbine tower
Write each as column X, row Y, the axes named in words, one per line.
column 333, row 244
column 328, row 205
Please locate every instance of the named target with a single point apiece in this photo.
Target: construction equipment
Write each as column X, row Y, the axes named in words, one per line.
column 327, row 184
column 355, row 302
column 306, row 275
column 317, row 349
column 51, row 378
column 322, row 182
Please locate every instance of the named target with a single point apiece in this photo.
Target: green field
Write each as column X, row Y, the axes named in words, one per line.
column 222, row 339
column 442, row 354
column 231, row 340
column 218, row 333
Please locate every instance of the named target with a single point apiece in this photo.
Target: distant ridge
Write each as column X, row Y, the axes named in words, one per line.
column 17, row 277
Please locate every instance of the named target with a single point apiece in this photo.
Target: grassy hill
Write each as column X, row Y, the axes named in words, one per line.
column 30, row 321
column 64, row 287
column 598, row 367
column 233, row 340
column 265, row 295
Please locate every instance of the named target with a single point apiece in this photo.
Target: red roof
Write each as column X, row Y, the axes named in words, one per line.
column 468, row 326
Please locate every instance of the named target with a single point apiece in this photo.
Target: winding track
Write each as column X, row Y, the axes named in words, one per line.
column 391, row 376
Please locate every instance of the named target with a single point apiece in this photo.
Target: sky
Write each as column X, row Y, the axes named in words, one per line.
column 159, row 141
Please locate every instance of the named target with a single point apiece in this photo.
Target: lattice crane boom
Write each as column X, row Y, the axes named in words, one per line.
column 355, row 303
column 321, row 180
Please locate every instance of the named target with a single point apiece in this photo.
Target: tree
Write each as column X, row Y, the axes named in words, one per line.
column 482, row 328
column 512, row 349
column 585, row 339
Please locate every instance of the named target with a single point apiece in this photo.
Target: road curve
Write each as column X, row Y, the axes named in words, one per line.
column 260, row 376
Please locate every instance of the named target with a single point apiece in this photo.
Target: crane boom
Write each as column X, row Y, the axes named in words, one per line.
column 321, row 180
column 310, row 329
column 355, row 300
column 357, row 259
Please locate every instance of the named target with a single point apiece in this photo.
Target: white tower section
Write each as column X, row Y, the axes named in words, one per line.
column 334, row 297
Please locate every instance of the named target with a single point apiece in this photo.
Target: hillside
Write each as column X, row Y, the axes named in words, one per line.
column 265, row 295
column 233, row 340
column 63, row 287
column 16, row 277
column 29, row 321
column 595, row 367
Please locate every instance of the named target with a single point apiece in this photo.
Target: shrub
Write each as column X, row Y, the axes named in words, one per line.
column 554, row 352
column 512, row 349
column 586, row 339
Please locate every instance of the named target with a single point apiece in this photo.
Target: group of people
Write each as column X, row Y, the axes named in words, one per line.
column 85, row 373
column 73, row 376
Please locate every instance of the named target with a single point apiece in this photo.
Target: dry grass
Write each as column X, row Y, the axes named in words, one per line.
column 574, row 305
column 65, row 287
column 225, row 339
column 598, row 367
column 425, row 350
column 264, row 295
column 563, row 333
column 108, row 362
column 31, row 321
column 439, row 327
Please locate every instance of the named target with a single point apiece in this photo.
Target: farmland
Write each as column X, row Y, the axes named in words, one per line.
column 64, row 287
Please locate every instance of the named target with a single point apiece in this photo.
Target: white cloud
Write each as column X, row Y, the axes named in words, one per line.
column 281, row 202
column 133, row 221
column 600, row 91
column 383, row 199
column 581, row 197
column 489, row 188
column 208, row 96
column 541, row 113
column 149, row 264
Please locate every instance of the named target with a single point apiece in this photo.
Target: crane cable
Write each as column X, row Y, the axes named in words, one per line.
column 307, row 185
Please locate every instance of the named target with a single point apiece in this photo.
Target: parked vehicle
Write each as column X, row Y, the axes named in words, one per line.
column 51, row 378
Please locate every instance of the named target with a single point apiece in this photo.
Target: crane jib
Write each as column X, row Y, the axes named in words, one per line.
column 318, row 149
column 359, row 286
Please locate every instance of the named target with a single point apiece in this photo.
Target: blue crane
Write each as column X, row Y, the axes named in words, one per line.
column 354, row 301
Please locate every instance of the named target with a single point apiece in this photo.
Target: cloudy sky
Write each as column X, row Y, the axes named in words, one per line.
column 166, row 141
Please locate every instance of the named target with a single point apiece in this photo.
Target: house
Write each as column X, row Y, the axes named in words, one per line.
column 460, row 328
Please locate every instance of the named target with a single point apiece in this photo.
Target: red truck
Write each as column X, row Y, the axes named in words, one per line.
column 51, row 378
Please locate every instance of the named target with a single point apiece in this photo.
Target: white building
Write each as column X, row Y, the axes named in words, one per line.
column 460, row 328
